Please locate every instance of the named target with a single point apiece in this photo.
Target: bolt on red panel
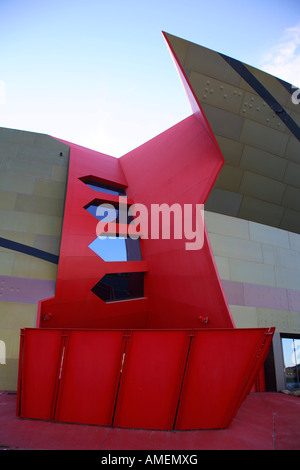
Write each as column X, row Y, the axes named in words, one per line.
column 151, row 379
column 219, row 371
column 90, row 376
column 40, row 358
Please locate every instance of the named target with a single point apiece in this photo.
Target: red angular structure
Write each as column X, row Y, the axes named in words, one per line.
column 139, row 333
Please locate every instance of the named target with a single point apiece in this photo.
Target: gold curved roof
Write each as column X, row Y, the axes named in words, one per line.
column 256, row 125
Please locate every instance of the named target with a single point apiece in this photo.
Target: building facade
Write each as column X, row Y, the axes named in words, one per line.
column 53, row 276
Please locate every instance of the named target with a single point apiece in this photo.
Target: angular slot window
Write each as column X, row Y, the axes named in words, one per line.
column 120, row 286
column 109, row 212
column 117, row 249
column 103, row 187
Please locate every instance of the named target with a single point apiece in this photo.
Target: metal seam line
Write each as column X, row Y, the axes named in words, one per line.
column 242, row 70
column 28, row 250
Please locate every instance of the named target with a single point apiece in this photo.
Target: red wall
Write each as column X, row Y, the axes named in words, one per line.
column 178, row 166
column 79, row 269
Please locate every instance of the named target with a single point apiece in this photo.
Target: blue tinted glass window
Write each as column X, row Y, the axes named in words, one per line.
column 101, row 211
column 117, row 249
column 110, row 249
column 105, row 188
column 109, row 213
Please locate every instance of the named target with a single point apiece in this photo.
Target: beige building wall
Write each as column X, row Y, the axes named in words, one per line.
column 33, row 173
column 259, row 267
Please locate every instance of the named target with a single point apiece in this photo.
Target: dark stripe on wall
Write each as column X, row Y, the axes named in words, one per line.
column 28, row 250
column 242, row 70
column 290, row 88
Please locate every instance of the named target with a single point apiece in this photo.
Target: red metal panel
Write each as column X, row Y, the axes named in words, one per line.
column 40, row 360
column 188, row 155
column 218, row 375
column 257, row 367
column 21, row 346
column 90, row 375
column 73, row 376
column 79, row 269
column 150, row 383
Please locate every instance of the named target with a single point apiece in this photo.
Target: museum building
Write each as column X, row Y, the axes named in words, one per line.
column 159, row 332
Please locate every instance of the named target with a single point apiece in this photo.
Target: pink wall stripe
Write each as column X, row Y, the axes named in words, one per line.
column 17, row 289
column 253, row 295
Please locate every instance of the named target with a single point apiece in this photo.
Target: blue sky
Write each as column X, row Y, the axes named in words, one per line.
column 98, row 73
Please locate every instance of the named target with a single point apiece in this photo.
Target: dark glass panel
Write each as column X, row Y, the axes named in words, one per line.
column 104, row 188
column 133, row 249
column 120, row 286
column 109, row 212
column 291, row 357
